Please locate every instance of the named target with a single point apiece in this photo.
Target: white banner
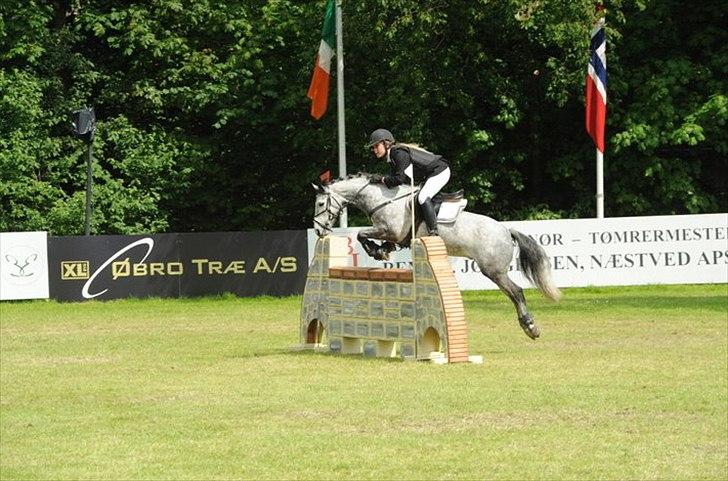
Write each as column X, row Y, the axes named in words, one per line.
column 619, row 251
column 23, row 265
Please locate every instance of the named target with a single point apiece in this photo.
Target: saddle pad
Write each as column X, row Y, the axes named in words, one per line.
column 449, row 211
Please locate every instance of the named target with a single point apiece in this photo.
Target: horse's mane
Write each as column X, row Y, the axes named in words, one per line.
column 358, row 175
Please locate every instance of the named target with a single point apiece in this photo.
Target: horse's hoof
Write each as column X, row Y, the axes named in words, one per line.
column 529, row 327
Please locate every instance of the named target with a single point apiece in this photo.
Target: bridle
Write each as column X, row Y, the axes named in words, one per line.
column 331, row 201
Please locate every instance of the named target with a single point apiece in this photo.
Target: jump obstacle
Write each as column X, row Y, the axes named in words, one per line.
column 379, row 312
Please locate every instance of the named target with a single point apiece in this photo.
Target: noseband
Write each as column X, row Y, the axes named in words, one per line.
column 331, row 201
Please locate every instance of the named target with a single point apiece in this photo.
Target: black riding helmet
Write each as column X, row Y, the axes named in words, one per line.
column 380, row 135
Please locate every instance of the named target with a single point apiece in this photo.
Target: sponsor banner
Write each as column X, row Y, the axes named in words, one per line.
column 23, row 265
column 244, row 263
column 174, row 265
column 687, row 249
column 114, row 266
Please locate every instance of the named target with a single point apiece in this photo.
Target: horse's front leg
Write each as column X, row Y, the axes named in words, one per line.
column 378, row 252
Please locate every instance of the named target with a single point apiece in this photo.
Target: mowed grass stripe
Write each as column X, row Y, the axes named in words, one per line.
column 626, row 383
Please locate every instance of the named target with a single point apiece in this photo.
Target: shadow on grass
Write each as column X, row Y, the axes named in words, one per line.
column 306, row 353
column 716, row 303
column 652, row 301
column 277, row 351
column 328, row 354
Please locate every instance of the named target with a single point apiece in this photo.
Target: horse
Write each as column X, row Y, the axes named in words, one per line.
column 478, row 237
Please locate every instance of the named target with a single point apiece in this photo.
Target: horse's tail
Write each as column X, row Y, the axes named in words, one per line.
column 536, row 265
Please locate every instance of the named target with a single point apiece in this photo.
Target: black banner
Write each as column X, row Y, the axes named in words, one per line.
column 175, row 265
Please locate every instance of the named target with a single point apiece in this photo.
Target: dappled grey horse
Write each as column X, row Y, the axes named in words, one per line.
column 489, row 243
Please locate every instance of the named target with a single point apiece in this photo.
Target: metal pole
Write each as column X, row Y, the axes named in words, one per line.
column 344, row 219
column 600, row 184
column 89, row 184
column 412, row 201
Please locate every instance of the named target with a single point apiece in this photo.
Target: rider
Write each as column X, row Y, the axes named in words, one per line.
column 407, row 160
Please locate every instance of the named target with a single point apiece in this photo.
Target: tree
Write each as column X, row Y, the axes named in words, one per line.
column 203, row 121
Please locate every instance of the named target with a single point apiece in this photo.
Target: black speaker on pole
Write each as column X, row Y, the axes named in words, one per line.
column 84, row 125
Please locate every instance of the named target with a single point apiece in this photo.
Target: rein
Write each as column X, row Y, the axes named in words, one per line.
column 332, row 215
column 380, row 206
column 327, row 210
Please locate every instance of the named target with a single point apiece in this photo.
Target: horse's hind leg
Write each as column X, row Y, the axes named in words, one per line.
column 515, row 293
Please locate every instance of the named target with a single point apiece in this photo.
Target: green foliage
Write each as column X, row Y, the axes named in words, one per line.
column 203, row 121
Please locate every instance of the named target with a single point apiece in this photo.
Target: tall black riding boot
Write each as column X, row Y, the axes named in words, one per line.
column 428, row 212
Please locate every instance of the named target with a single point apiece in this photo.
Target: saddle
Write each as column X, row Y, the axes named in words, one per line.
column 448, row 205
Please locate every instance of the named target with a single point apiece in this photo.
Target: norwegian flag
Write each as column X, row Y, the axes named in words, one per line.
column 596, row 86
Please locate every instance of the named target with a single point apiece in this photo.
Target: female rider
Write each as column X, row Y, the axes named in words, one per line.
column 407, row 161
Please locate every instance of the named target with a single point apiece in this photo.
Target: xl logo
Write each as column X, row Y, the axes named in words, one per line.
column 20, row 265
column 72, row 270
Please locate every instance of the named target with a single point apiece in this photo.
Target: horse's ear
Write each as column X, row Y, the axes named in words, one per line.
column 319, row 188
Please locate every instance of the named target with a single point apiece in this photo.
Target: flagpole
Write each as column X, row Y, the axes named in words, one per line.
column 600, row 184
column 344, row 219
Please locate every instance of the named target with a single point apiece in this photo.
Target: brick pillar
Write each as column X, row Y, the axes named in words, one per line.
column 452, row 301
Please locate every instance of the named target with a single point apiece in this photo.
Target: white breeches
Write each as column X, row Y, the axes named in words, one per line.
column 433, row 185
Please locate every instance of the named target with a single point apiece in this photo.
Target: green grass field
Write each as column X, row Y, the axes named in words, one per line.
column 625, row 383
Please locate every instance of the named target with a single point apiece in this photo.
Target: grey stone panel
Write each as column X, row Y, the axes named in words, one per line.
column 350, row 328
column 362, row 329
column 313, row 284
column 408, row 332
column 362, row 289
column 377, row 329
column 334, row 286
column 348, row 288
column 377, row 290
column 423, row 271
column 362, row 308
column 407, row 310
column 392, row 330
column 347, row 307
column 405, row 291
column 376, row 309
column 334, row 327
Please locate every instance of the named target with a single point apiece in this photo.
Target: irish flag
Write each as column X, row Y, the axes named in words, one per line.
column 318, row 91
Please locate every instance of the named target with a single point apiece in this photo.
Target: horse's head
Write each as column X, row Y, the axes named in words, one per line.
column 327, row 209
